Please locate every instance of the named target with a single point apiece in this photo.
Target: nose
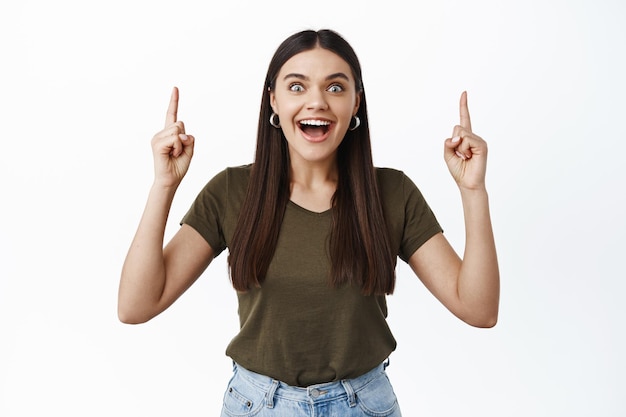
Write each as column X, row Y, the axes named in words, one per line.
column 316, row 100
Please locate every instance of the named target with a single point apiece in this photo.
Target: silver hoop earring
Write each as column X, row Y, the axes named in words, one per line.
column 357, row 123
column 274, row 123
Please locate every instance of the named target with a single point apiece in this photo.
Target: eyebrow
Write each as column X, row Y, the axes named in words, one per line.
column 305, row 78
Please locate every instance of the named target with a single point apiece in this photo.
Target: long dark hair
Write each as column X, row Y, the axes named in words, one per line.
column 360, row 251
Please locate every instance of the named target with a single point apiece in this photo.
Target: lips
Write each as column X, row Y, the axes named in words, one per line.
column 315, row 130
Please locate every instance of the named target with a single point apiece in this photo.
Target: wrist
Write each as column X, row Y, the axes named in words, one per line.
column 165, row 188
column 474, row 191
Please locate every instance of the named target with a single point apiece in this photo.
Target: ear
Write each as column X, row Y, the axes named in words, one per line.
column 357, row 103
column 273, row 101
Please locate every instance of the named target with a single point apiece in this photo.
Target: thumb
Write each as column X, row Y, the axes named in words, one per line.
column 188, row 142
column 450, row 148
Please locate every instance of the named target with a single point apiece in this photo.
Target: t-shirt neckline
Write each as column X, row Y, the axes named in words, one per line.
column 309, row 212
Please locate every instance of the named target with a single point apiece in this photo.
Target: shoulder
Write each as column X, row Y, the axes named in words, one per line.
column 238, row 179
column 397, row 189
column 226, row 184
column 394, row 179
column 392, row 182
column 391, row 189
column 237, row 176
column 234, row 173
column 242, row 171
column 389, row 176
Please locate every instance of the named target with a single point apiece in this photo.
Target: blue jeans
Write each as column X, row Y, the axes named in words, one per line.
column 250, row 394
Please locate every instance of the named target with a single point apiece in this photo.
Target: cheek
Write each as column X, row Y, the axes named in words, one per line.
column 347, row 112
column 281, row 105
column 345, row 106
column 286, row 110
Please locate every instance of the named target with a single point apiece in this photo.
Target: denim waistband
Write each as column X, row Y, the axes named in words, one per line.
column 314, row 393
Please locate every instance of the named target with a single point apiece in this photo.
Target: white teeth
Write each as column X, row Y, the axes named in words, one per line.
column 315, row 122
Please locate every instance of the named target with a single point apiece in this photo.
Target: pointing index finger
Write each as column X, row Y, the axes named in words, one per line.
column 172, row 109
column 464, row 112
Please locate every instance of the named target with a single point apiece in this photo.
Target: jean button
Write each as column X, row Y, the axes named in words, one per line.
column 315, row 393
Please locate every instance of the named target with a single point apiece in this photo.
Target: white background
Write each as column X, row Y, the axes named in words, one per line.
column 85, row 85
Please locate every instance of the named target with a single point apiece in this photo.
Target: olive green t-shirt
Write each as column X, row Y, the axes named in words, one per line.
column 297, row 328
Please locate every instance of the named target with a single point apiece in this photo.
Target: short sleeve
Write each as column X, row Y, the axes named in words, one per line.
column 420, row 223
column 207, row 212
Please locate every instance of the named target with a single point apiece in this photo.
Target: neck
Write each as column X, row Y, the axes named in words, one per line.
column 313, row 174
column 312, row 186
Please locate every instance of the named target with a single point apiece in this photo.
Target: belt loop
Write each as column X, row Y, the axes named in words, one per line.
column 386, row 364
column 270, row 393
column 350, row 392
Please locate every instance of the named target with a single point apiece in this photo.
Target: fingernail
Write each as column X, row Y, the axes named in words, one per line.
column 456, row 139
column 460, row 155
column 183, row 137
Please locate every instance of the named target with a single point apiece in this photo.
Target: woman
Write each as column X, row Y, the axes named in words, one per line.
column 313, row 232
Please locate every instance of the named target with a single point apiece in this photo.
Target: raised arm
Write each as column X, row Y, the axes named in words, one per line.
column 468, row 287
column 153, row 277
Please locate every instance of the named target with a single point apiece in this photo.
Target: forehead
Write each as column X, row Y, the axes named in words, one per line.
column 315, row 62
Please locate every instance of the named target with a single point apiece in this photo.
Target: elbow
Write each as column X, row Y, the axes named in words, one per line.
column 485, row 323
column 482, row 313
column 129, row 320
column 483, row 318
column 134, row 310
column 487, row 320
column 128, row 316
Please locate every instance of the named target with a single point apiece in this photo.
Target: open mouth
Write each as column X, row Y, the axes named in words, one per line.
column 314, row 128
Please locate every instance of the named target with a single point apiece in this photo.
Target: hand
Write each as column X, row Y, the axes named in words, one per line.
column 466, row 153
column 172, row 149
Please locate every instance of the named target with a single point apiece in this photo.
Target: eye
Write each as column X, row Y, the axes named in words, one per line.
column 335, row 88
column 296, row 87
